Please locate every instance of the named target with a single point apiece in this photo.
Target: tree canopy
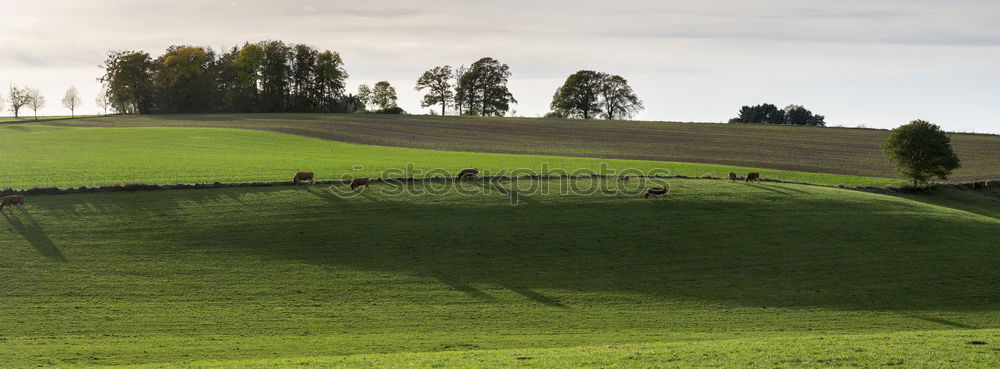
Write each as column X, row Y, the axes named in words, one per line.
column 921, row 151
column 268, row 76
column 770, row 114
column 437, row 81
column 482, row 88
column 578, row 96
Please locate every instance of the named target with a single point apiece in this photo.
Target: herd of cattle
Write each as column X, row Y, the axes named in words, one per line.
column 464, row 174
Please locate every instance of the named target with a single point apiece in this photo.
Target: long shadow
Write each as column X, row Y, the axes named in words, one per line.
column 796, row 257
column 35, row 235
column 768, row 188
column 941, row 321
column 537, row 297
column 463, row 287
column 977, row 202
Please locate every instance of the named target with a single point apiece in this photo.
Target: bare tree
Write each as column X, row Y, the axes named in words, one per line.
column 102, row 100
column 72, row 101
column 19, row 97
column 35, row 101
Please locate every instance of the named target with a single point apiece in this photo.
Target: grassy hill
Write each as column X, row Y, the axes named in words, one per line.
column 722, row 274
column 808, row 149
column 46, row 156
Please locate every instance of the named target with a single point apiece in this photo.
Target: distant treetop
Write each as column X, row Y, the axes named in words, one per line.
column 796, row 115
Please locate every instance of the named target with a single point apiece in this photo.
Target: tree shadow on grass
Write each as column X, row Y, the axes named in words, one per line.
column 793, row 257
column 35, row 235
column 946, row 322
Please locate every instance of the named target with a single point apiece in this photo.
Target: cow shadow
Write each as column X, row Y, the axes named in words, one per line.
column 35, row 235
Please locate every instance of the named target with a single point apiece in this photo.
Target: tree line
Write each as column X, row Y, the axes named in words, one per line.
column 795, row 115
column 271, row 76
column 262, row 77
column 21, row 98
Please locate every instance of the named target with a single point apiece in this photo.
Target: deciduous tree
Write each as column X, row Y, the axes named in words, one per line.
column 364, row 95
column 183, row 80
column 275, row 75
column 18, row 98
column 102, row 100
column 71, row 101
column 384, row 95
column 129, row 77
column 483, row 88
column 619, row 101
column 921, row 151
column 438, row 83
column 330, row 80
column 35, row 101
column 578, row 96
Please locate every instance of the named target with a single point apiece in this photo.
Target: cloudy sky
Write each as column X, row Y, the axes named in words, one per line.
column 878, row 63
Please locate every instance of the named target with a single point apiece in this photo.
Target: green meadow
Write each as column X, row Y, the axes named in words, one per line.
column 727, row 275
column 47, row 156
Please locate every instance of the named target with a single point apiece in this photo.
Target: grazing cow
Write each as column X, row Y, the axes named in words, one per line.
column 468, row 173
column 753, row 176
column 304, row 176
column 624, row 179
column 359, row 182
column 732, row 177
column 11, row 201
column 656, row 191
column 983, row 185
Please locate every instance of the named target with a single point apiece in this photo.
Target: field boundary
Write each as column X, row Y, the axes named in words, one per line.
column 133, row 187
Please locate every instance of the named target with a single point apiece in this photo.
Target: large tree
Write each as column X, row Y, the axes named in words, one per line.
column 383, row 95
column 129, row 77
column 184, row 83
column 438, row 83
column 578, row 96
column 72, row 101
column 483, row 88
column 764, row 113
column 275, row 76
column 18, row 98
column 921, row 151
column 618, row 99
column 36, row 101
column 303, row 93
column 248, row 63
column 330, row 80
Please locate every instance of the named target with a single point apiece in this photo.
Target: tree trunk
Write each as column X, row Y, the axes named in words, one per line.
column 442, row 107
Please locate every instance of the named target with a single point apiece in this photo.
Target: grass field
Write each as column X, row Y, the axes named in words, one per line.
column 807, row 149
column 46, row 156
column 720, row 275
column 931, row 349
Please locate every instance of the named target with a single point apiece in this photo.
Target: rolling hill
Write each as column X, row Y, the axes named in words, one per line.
column 719, row 275
column 855, row 152
column 46, row 156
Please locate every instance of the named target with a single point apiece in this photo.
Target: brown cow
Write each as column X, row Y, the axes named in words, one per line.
column 468, row 173
column 656, row 191
column 753, row 176
column 359, row 182
column 732, row 177
column 983, row 185
column 11, row 201
column 304, row 176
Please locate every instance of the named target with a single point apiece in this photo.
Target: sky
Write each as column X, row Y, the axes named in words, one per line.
column 873, row 63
